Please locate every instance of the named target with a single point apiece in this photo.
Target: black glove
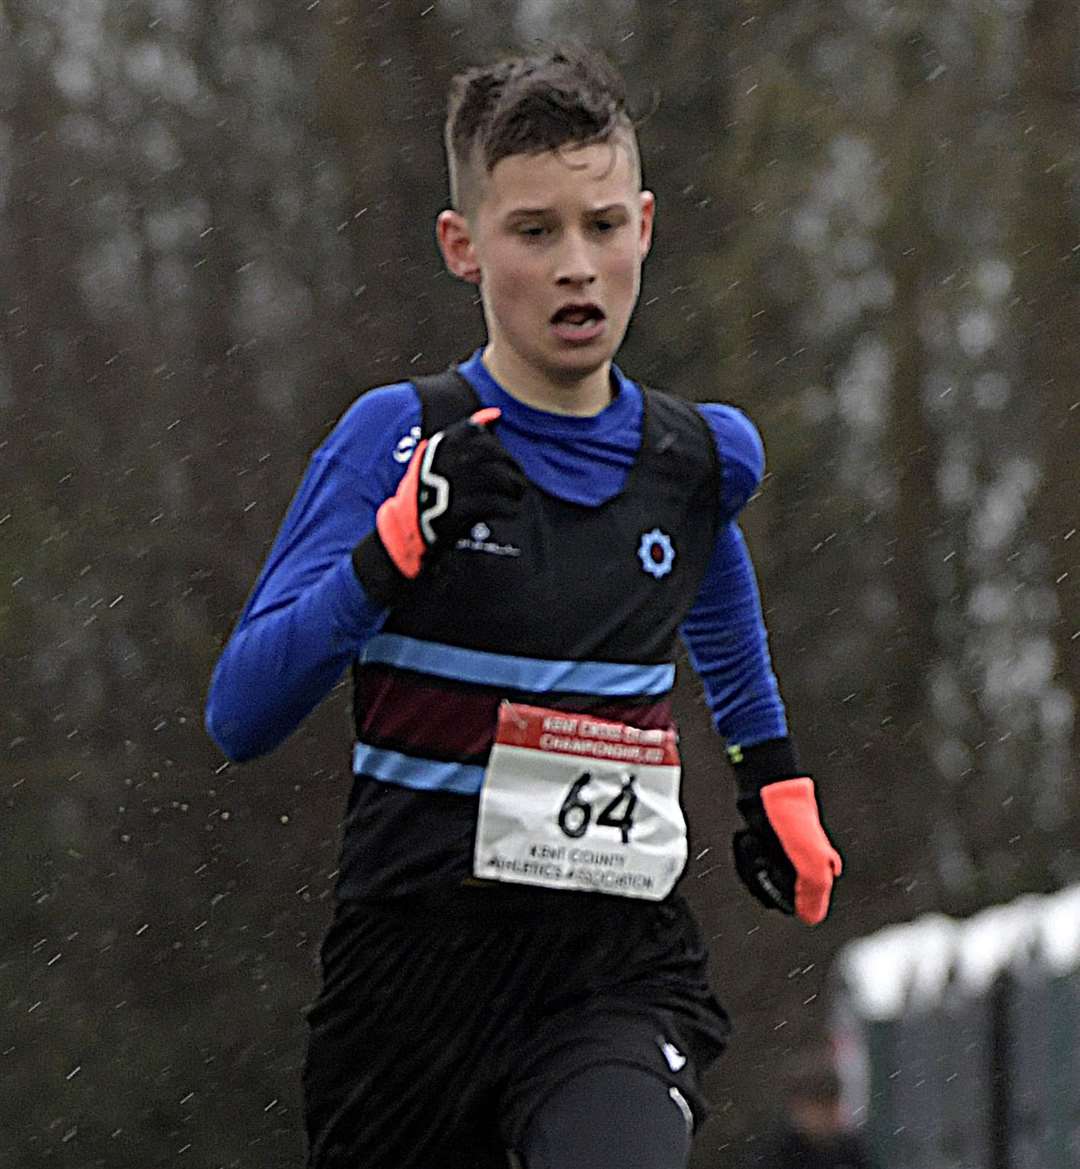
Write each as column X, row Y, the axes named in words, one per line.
column 455, row 478
column 760, row 860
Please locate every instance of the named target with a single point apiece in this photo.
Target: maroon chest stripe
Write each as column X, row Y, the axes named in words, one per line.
column 411, row 713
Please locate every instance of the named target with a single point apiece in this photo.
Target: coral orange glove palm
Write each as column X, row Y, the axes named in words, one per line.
column 784, row 856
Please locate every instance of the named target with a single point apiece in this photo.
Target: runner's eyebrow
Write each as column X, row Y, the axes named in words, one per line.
column 542, row 212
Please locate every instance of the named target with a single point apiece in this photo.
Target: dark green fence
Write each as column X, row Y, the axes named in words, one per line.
column 959, row 1042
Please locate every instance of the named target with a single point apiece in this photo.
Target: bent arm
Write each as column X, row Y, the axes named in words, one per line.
column 308, row 616
column 277, row 667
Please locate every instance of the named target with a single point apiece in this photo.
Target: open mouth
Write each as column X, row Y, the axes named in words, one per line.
column 578, row 322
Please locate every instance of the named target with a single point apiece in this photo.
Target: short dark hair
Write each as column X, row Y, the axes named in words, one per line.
column 553, row 97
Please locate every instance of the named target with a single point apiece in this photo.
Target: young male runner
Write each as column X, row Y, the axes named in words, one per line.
column 505, row 554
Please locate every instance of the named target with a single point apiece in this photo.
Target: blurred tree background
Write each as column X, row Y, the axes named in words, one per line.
column 216, row 229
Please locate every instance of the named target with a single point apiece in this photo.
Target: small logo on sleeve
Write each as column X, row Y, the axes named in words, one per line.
column 403, row 451
column 656, row 553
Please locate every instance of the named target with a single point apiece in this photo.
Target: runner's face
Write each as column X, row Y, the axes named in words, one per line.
column 558, row 240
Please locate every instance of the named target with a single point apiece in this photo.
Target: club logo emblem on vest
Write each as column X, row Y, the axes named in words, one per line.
column 656, row 553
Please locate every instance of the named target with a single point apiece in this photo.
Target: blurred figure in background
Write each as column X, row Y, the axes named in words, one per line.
column 814, row 1132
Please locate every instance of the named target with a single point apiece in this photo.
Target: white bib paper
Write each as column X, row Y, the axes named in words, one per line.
column 574, row 802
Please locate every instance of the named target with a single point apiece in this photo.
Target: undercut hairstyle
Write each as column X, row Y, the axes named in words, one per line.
column 560, row 96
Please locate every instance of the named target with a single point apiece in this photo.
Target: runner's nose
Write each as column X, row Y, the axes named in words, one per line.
column 575, row 263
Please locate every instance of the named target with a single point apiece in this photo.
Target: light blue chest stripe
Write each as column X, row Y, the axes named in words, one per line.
column 532, row 675
column 420, row 774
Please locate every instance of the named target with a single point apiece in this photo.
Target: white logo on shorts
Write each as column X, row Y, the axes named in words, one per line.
column 683, row 1107
column 675, row 1058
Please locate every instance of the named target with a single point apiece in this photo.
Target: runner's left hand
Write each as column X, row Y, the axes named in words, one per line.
column 783, row 856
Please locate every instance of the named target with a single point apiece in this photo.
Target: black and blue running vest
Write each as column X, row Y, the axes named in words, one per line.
column 563, row 606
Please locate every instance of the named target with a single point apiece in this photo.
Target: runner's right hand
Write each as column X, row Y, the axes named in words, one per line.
column 455, row 478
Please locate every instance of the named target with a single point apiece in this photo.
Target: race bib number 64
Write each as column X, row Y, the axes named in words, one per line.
column 574, row 802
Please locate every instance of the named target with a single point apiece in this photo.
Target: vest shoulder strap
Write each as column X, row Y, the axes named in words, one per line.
column 445, row 398
column 667, row 415
column 679, row 442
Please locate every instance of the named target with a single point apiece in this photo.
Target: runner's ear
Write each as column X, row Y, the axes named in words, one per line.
column 454, row 236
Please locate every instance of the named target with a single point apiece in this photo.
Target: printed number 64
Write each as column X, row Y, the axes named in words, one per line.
column 575, row 815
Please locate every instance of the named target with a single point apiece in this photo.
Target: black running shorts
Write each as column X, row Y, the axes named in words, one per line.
column 442, row 1027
